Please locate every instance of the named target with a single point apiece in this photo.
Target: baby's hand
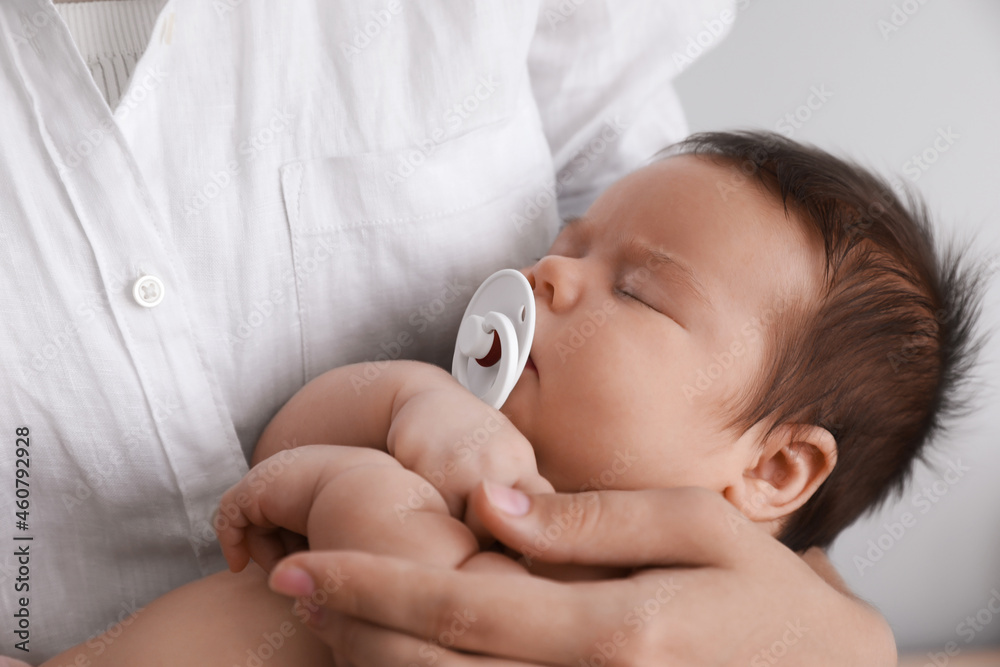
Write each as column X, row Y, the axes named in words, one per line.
column 279, row 493
column 242, row 524
column 454, row 440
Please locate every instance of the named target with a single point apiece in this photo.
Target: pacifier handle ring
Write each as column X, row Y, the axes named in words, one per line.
column 502, row 385
column 474, row 339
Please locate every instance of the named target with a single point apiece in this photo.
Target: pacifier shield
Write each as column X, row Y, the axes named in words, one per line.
column 495, row 336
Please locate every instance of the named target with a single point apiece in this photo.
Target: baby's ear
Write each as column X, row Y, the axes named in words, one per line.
column 794, row 460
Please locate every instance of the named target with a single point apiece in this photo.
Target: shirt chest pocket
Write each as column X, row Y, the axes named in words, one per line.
column 389, row 247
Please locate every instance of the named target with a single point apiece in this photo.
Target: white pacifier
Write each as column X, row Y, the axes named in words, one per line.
column 495, row 336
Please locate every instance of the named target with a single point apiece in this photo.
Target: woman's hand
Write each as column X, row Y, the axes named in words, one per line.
column 720, row 592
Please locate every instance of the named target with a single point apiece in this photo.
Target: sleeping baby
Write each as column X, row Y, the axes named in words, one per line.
column 746, row 315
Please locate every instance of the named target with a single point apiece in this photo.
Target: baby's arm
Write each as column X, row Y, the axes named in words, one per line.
column 341, row 498
column 351, row 405
column 359, row 497
column 417, row 413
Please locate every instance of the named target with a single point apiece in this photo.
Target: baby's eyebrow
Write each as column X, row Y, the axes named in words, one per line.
column 643, row 254
column 577, row 225
column 578, row 229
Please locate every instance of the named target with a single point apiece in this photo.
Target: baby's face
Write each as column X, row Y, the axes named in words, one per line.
column 649, row 310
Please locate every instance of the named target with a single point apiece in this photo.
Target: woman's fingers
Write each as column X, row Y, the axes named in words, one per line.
column 743, row 593
column 681, row 526
column 552, row 622
column 361, row 644
column 537, row 620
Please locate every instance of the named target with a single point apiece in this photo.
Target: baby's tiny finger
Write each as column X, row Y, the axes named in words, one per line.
column 236, row 556
column 266, row 547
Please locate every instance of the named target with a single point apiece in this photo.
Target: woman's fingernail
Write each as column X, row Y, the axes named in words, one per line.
column 291, row 581
column 509, row 500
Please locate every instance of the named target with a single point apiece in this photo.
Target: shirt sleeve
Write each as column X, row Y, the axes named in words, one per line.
column 601, row 73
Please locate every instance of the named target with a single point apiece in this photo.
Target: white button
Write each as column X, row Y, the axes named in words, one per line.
column 148, row 291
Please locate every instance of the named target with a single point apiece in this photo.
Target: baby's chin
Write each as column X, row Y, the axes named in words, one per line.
column 515, row 408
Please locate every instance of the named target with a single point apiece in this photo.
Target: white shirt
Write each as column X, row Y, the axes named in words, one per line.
column 111, row 36
column 313, row 184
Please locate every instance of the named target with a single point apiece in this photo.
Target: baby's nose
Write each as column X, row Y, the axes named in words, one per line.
column 528, row 272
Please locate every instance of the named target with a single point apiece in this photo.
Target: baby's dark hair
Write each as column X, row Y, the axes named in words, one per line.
column 880, row 360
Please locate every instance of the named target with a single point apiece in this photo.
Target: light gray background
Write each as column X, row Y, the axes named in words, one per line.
column 891, row 94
